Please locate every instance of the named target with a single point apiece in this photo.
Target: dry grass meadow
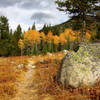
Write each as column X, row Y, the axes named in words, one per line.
column 42, row 81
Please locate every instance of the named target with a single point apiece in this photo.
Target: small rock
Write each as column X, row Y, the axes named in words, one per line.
column 65, row 52
column 20, row 66
column 32, row 67
column 42, row 61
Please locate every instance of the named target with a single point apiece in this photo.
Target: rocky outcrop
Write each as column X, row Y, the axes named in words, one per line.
column 81, row 67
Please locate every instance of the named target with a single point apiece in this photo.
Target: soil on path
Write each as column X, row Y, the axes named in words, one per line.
column 26, row 90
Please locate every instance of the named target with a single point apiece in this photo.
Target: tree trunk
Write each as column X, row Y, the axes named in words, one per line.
column 83, row 29
column 36, row 47
column 84, row 32
column 32, row 48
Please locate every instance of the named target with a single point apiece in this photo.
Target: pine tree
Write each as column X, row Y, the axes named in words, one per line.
column 4, row 37
column 15, row 38
column 4, row 28
column 18, row 33
column 79, row 9
column 33, row 26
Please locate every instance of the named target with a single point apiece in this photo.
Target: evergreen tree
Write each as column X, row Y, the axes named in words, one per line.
column 4, row 37
column 56, row 31
column 33, row 27
column 17, row 35
column 79, row 9
column 46, row 29
column 4, row 28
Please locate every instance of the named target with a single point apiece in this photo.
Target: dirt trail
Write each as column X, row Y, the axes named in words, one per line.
column 26, row 90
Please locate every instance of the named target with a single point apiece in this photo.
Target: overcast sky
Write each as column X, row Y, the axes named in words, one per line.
column 26, row 12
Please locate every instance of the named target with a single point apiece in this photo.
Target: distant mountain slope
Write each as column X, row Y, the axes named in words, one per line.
column 57, row 29
column 71, row 23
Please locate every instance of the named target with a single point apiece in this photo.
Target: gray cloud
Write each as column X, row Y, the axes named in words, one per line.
column 1, row 13
column 6, row 3
column 25, row 12
column 28, row 4
column 37, row 4
column 42, row 17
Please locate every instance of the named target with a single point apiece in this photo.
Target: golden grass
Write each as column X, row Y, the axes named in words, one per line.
column 43, row 80
column 48, row 89
column 8, row 76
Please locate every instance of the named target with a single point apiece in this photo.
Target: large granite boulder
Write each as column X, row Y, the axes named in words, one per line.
column 81, row 67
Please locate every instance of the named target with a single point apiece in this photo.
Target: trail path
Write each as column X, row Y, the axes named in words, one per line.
column 26, row 90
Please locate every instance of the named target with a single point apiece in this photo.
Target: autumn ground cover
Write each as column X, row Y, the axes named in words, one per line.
column 8, row 76
column 42, row 81
column 48, row 89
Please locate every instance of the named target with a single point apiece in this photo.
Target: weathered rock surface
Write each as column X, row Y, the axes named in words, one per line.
column 81, row 67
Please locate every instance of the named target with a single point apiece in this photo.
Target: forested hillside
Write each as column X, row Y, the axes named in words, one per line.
column 49, row 39
column 72, row 23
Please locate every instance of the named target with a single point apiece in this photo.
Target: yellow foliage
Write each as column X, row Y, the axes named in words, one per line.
column 62, row 39
column 70, row 33
column 32, row 36
column 21, row 44
column 49, row 37
column 42, row 36
column 56, row 40
column 75, row 34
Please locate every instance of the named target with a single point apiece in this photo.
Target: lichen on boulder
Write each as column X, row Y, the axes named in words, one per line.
column 81, row 67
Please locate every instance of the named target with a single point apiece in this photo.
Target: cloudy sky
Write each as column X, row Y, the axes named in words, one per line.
column 26, row 12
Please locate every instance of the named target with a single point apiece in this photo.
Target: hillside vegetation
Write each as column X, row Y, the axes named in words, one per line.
column 73, row 24
column 49, row 39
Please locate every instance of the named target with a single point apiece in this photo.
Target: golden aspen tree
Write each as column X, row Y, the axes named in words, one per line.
column 69, row 33
column 21, row 46
column 49, row 39
column 62, row 40
column 32, row 37
column 56, row 41
column 42, row 35
column 43, row 41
